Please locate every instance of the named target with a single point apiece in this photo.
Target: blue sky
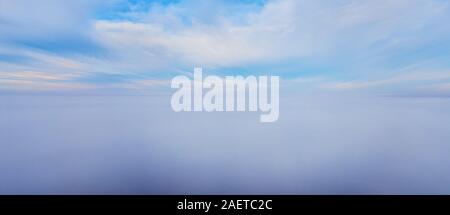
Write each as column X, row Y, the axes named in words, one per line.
column 381, row 47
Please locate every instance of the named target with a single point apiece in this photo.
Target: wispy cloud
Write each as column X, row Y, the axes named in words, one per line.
column 354, row 40
column 409, row 78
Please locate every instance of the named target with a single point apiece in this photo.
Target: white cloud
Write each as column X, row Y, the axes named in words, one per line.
column 158, row 39
column 40, row 19
column 407, row 78
column 281, row 29
column 9, row 84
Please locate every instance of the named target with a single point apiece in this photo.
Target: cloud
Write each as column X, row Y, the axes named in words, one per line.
column 52, row 25
column 33, row 75
column 138, row 145
column 156, row 40
column 40, row 85
column 279, row 30
column 403, row 78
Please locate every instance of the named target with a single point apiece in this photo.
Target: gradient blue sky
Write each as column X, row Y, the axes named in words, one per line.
column 382, row 47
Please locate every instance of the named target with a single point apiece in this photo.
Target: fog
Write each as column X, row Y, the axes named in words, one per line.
column 335, row 144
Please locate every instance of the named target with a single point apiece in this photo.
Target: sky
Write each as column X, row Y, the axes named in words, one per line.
column 85, row 97
column 382, row 47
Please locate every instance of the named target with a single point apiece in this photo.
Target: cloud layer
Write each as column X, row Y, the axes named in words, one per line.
column 343, row 42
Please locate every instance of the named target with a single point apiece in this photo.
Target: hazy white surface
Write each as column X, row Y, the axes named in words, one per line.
column 137, row 144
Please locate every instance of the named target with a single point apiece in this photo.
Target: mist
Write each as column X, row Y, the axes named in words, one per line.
column 129, row 144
